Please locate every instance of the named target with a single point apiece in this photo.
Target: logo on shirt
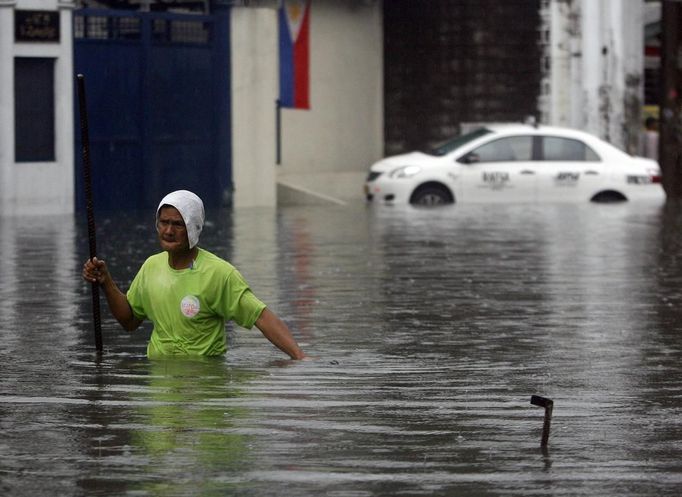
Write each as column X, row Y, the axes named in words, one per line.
column 189, row 306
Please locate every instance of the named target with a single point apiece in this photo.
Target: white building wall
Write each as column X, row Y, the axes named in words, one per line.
column 40, row 187
column 329, row 148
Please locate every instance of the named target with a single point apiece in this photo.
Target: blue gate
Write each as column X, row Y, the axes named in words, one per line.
column 158, row 90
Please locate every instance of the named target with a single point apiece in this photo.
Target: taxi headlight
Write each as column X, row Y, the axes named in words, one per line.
column 405, row 172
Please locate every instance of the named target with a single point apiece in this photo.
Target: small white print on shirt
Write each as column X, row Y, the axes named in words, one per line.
column 190, row 306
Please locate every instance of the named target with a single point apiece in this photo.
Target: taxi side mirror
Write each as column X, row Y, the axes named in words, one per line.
column 470, row 158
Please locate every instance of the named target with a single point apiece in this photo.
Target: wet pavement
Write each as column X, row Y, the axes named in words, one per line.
column 430, row 330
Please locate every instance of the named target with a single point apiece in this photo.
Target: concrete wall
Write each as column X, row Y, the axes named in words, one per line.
column 325, row 150
column 41, row 187
column 329, row 148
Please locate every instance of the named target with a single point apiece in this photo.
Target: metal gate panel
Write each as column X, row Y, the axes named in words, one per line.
column 158, row 104
column 115, row 135
column 181, row 124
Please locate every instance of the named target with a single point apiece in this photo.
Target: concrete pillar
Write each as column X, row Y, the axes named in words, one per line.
column 632, row 22
column 565, row 70
column 254, row 94
column 6, row 104
column 597, row 67
column 613, row 65
column 64, row 114
column 594, row 67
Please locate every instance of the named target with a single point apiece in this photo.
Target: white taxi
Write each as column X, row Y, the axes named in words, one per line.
column 515, row 163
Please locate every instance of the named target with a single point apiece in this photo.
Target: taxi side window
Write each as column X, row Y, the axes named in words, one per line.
column 513, row 148
column 565, row 149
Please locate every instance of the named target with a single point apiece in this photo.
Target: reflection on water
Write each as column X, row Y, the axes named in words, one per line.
column 430, row 328
column 186, row 419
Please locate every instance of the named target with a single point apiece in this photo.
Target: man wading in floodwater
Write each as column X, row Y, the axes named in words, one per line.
column 187, row 292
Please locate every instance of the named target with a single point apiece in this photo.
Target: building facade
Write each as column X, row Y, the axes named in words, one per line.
column 385, row 77
column 36, row 107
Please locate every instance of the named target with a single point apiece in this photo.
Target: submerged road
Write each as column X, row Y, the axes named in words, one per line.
column 430, row 330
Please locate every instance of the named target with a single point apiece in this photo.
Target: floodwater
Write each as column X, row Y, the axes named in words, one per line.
column 430, row 329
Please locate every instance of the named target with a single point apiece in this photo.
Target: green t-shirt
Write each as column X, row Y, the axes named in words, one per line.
column 189, row 307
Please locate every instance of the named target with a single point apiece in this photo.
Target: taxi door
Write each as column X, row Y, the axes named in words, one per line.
column 568, row 170
column 499, row 171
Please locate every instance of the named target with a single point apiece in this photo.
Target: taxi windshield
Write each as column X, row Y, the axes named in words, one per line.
column 457, row 142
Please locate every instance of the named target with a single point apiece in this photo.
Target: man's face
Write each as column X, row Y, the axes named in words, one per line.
column 172, row 230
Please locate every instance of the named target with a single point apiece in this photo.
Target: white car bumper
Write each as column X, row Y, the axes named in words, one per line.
column 385, row 190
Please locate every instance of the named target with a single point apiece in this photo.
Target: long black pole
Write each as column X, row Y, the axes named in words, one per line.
column 87, row 180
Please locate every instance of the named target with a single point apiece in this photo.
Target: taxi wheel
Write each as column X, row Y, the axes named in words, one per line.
column 608, row 197
column 431, row 195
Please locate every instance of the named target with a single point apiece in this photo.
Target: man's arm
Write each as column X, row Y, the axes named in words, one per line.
column 275, row 330
column 95, row 271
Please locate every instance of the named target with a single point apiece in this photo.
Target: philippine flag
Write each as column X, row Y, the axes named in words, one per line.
column 294, row 54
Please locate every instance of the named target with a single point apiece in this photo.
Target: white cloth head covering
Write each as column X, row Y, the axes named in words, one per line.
column 191, row 208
